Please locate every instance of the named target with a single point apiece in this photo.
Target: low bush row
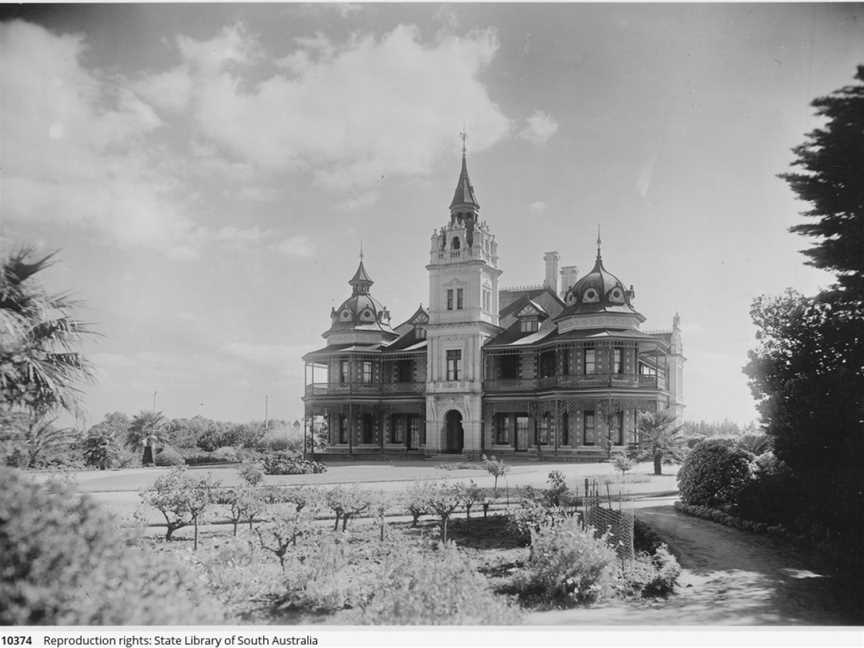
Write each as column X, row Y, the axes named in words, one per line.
column 727, row 519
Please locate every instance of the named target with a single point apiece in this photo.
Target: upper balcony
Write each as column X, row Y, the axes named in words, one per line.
column 616, row 380
column 365, row 389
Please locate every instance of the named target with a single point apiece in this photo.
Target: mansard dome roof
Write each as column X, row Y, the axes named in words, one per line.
column 598, row 291
column 361, row 311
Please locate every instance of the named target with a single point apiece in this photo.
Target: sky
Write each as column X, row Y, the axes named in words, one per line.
column 208, row 172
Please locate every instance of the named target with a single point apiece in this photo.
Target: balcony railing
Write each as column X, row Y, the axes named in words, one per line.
column 344, row 389
column 574, row 381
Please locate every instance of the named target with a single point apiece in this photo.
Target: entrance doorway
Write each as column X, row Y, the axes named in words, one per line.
column 455, row 436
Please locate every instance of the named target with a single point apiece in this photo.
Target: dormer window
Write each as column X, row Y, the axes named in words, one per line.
column 345, row 315
column 590, row 296
column 529, row 325
column 367, row 316
column 616, row 296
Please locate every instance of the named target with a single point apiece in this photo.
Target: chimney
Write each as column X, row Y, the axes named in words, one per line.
column 551, row 280
column 569, row 276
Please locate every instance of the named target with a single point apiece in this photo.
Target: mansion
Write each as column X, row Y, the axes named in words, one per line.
column 560, row 368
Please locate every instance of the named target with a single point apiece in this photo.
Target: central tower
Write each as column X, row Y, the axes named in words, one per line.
column 463, row 314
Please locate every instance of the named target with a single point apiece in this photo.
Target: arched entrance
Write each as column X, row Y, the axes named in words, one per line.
column 454, row 435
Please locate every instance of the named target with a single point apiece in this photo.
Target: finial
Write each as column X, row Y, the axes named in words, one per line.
column 464, row 136
column 599, row 241
column 361, row 250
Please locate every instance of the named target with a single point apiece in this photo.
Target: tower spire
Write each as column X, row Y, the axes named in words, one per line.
column 464, row 195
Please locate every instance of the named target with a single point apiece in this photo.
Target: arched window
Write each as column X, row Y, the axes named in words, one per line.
column 456, row 244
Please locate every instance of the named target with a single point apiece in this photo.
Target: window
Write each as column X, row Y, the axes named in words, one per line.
column 456, row 243
column 543, row 429
column 343, row 428
column 565, row 428
column 417, row 430
column 402, row 371
column 590, row 365
column 547, row 364
column 459, row 302
column 510, row 366
column 588, row 428
column 618, row 428
column 449, row 299
column 529, row 325
column 398, row 425
column 487, row 300
column 502, row 433
column 645, row 370
column 454, row 362
column 565, row 365
column 344, row 372
column 522, row 432
column 368, row 429
column 617, row 365
column 367, row 372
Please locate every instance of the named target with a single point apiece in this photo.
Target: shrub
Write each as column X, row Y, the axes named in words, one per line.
column 288, row 463
column 251, row 473
column 622, row 462
column 64, row 562
column 774, row 496
column 652, row 575
column 557, row 488
column 226, row 454
column 568, row 565
column 169, row 457
column 438, row 588
column 100, row 448
column 531, row 516
column 714, row 473
column 469, row 494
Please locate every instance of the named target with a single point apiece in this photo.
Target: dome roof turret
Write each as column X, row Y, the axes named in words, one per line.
column 599, row 291
column 361, row 311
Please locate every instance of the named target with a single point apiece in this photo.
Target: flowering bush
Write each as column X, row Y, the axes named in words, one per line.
column 289, row 463
column 568, row 565
column 714, row 473
column 226, row 454
column 64, row 562
column 251, row 473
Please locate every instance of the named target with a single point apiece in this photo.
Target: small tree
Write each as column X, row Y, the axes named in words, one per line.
column 168, row 496
column 244, row 505
column 282, row 534
column 417, row 501
column 346, row 503
column 469, row 494
column 660, row 439
column 443, row 500
column 496, row 468
column 199, row 495
column 622, row 463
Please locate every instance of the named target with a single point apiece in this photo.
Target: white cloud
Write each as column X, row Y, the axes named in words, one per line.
column 537, row 207
column 539, row 127
column 74, row 146
column 299, row 246
column 369, row 108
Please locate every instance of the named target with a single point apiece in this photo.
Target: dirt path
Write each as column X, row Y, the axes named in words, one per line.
column 729, row 577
